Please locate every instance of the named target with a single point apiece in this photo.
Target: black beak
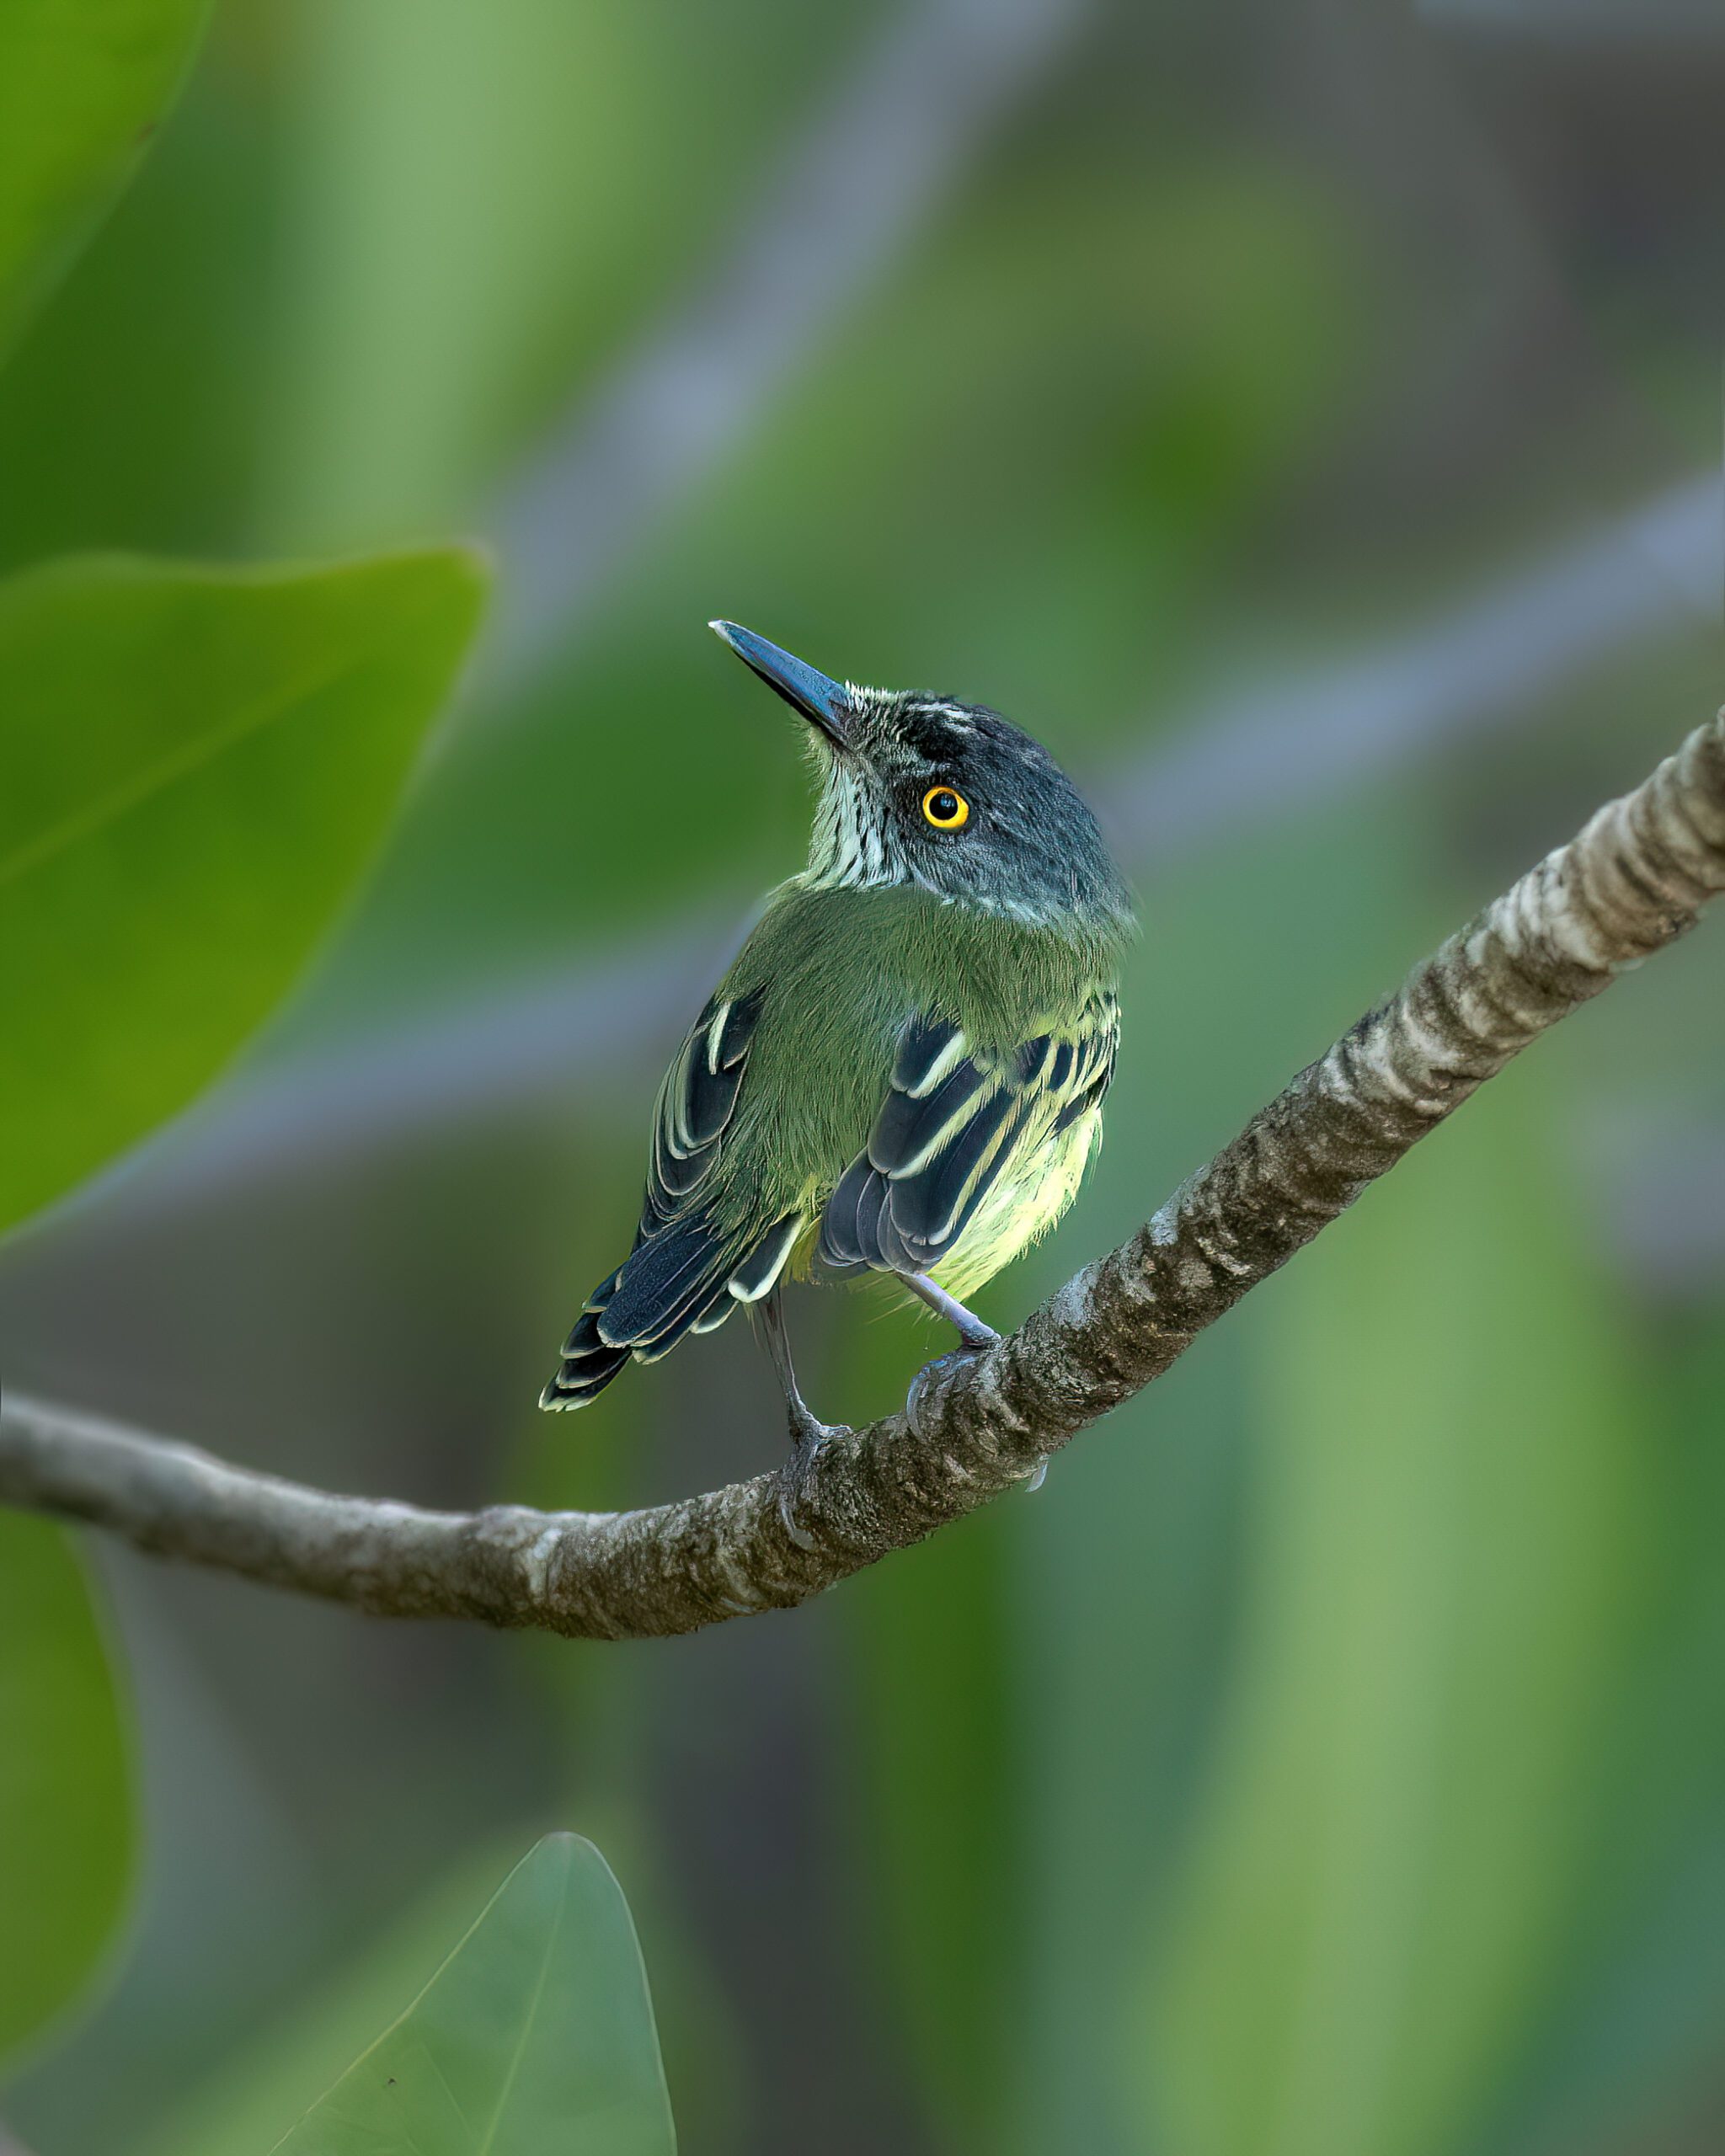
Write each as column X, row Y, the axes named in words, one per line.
column 822, row 703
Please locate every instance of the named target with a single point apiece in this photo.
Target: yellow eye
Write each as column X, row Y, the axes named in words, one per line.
column 946, row 810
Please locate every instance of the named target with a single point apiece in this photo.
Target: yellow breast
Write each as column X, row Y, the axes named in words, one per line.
column 1031, row 1192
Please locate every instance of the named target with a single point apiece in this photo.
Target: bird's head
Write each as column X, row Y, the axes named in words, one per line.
column 920, row 789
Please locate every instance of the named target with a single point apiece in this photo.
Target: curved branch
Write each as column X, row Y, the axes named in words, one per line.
column 1635, row 878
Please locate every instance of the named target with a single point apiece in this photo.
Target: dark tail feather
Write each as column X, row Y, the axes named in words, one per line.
column 656, row 1280
column 588, row 1366
column 681, row 1280
column 646, row 1306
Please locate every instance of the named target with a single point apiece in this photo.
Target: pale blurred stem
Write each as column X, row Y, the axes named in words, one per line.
column 1634, row 880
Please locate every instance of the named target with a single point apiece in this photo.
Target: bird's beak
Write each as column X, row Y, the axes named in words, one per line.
column 822, row 703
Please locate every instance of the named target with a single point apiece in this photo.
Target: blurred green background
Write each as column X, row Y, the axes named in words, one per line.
column 1304, row 417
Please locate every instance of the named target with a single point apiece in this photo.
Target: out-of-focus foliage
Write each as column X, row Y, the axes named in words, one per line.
column 1144, row 1541
column 83, row 86
column 199, row 762
column 66, row 1797
column 422, row 333
column 535, row 2037
column 1404, row 1817
column 197, row 765
column 265, row 2087
column 940, row 1790
column 150, row 917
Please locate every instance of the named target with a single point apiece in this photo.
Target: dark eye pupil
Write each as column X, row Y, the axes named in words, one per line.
column 945, row 806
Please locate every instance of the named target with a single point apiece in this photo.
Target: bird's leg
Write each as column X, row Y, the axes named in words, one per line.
column 807, row 1428
column 808, row 1432
column 972, row 1333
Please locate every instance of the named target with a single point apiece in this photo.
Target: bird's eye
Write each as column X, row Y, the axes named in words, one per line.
column 946, row 810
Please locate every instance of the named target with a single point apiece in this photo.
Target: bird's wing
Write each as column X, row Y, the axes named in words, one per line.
column 684, row 1274
column 697, row 1105
column 956, row 1124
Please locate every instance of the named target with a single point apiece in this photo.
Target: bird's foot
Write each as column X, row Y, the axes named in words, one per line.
column 808, row 1436
column 974, row 1336
column 931, row 1374
column 972, row 1332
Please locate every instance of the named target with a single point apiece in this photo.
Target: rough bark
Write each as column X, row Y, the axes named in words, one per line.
column 1633, row 880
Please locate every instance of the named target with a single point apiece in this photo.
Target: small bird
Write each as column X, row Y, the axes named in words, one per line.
column 903, row 1071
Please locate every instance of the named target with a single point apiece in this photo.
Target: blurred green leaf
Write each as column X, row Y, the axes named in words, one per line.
column 65, row 1796
column 476, row 204
column 937, row 1769
column 198, row 765
column 535, row 2037
column 130, row 414
column 1450, row 1560
column 84, row 85
column 1641, row 2014
column 254, row 2088
column 1128, row 1589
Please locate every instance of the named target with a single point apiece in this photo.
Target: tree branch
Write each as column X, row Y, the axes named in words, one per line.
column 1635, row 878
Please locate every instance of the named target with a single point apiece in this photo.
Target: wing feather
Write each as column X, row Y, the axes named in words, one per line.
column 956, row 1126
column 685, row 1272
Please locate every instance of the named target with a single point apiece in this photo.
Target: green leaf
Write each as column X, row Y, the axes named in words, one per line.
column 937, row 1769
column 1130, row 1555
column 1408, row 1826
column 66, row 1797
column 243, row 2100
column 1646, row 1999
column 198, row 764
column 462, row 239
column 534, row 2038
column 84, row 85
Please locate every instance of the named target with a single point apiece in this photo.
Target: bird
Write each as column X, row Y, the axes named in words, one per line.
column 902, row 1072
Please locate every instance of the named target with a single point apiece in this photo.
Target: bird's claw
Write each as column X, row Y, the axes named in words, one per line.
column 967, row 1351
column 930, row 1373
column 808, row 1436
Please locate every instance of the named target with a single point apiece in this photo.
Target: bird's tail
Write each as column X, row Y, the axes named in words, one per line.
column 683, row 1279
column 672, row 1283
column 589, row 1364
